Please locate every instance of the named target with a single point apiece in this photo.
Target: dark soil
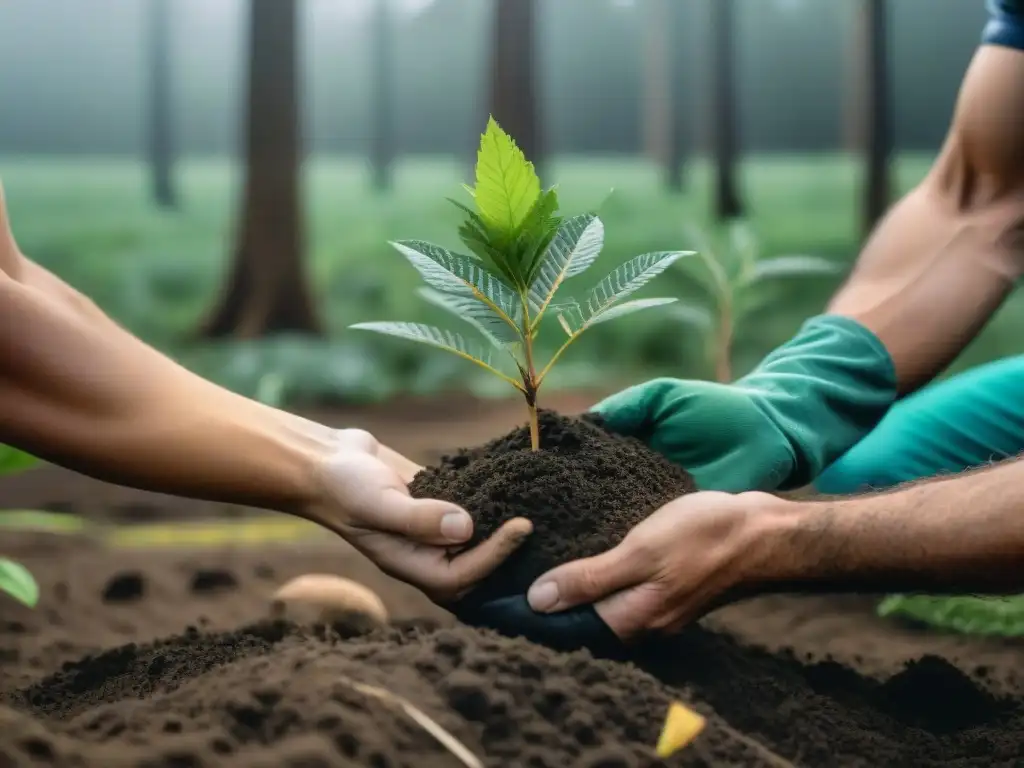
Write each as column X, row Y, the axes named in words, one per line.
column 583, row 490
column 167, row 679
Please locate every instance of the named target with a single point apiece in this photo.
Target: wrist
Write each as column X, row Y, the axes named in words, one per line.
column 824, row 390
column 303, row 449
column 768, row 557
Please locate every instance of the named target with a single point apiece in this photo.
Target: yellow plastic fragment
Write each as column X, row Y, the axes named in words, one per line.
column 681, row 727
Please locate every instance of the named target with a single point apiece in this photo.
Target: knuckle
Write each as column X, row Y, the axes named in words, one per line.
column 585, row 582
column 640, row 550
column 357, row 438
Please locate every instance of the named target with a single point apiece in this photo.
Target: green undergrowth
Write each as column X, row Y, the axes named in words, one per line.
column 970, row 615
column 90, row 220
column 15, row 579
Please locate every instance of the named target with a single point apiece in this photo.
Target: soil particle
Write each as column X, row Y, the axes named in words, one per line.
column 209, row 580
column 125, row 588
column 583, row 490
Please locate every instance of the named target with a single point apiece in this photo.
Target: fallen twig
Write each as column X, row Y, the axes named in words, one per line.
column 427, row 723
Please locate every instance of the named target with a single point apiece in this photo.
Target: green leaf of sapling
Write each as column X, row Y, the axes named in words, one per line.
column 460, row 275
column 628, row 308
column 477, row 314
column 17, row 581
column 537, row 232
column 792, row 266
column 13, row 461
column 628, row 278
column 573, row 249
column 437, row 337
column 507, row 186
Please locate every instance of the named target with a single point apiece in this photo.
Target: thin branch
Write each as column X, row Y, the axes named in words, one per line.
column 487, row 367
column 427, row 723
column 558, row 354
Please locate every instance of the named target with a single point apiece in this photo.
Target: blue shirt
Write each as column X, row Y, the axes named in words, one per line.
column 1005, row 24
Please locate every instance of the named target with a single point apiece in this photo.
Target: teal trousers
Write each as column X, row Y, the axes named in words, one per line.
column 966, row 421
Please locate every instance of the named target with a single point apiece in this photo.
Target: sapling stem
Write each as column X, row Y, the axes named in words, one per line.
column 534, row 426
column 531, row 381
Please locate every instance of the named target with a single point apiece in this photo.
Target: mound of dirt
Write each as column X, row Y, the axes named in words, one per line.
column 272, row 695
column 583, row 490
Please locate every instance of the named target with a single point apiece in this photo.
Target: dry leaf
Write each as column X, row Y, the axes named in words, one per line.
column 427, row 723
column 681, row 727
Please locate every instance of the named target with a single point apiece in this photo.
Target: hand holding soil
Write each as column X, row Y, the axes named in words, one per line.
column 365, row 500
column 690, row 556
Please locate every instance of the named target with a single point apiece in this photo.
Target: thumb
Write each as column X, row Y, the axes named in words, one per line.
column 586, row 581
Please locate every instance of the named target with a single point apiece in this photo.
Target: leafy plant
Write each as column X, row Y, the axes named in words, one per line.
column 521, row 251
column 15, row 579
column 995, row 616
column 734, row 271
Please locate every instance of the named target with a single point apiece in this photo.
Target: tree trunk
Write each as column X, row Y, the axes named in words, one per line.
column 514, row 102
column 382, row 139
column 266, row 291
column 855, row 89
column 161, row 140
column 665, row 64
column 658, row 98
column 679, row 19
column 876, row 117
column 727, row 197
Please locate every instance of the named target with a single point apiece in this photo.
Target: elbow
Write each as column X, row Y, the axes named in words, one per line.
column 982, row 201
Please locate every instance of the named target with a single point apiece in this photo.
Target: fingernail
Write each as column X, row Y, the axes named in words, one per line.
column 456, row 526
column 543, row 597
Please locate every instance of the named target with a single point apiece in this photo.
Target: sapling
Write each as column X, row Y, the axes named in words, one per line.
column 521, row 251
column 734, row 271
column 15, row 579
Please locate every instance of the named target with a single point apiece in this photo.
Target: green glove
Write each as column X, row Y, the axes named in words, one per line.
column 805, row 405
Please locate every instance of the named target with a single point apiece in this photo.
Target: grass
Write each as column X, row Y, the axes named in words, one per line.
column 90, row 220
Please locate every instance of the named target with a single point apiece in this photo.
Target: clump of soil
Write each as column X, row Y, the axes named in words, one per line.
column 583, row 490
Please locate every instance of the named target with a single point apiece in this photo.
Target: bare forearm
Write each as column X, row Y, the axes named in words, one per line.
column 82, row 392
column 960, row 534
column 946, row 256
column 927, row 281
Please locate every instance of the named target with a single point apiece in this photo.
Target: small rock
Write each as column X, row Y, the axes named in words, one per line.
column 326, row 599
column 212, row 580
column 125, row 588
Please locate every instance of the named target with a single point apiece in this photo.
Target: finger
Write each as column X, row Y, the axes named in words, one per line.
column 586, row 581
column 623, row 412
column 474, row 565
column 626, row 612
column 633, row 410
column 426, row 521
column 374, row 499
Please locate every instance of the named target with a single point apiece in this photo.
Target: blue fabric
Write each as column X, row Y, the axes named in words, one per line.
column 1005, row 25
column 965, row 421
